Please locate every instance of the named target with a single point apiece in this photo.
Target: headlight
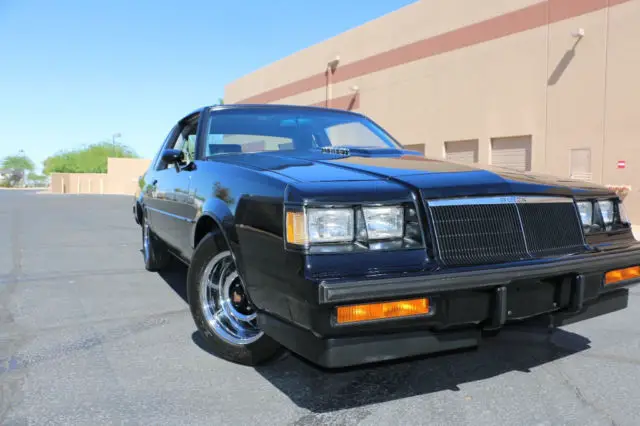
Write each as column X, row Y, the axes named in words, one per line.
column 585, row 208
column 354, row 228
column 384, row 223
column 602, row 215
column 330, row 225
column 606, row 210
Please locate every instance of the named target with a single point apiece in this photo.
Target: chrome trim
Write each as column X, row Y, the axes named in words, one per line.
column 223, row 319
column 542, row 199
column 175, row 216
column 517, row 202
column 524, row 234
column 506, row 199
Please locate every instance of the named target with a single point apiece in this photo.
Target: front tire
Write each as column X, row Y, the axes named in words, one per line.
column 221, row 308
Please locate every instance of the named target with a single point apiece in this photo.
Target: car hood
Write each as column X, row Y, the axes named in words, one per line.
column 435, row 178
column 439, row 178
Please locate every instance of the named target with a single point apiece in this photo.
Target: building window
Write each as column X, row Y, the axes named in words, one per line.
column 581, row 164
column 465, row 151
column 512, row 152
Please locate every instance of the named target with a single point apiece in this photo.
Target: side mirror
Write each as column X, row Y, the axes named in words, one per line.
column 172, row 156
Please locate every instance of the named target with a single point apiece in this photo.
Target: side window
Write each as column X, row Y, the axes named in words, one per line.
column 184, row 139
column 157, row 161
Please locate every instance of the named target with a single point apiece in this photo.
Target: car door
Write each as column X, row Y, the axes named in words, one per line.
column 184, row 211
column 173, row 217
column 151, row 200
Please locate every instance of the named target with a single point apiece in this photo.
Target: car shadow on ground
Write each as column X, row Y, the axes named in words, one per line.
column 513, row 351
column 175, row 275
column 319, row 390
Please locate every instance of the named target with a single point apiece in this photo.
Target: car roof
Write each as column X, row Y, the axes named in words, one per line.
column 276, row 107
column 279, row 107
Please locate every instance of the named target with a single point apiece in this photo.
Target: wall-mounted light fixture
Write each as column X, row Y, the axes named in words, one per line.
column 579, row 33
column 333, row 64
column 354, row 89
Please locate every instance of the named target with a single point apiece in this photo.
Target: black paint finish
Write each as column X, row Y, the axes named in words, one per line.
column 244, row 196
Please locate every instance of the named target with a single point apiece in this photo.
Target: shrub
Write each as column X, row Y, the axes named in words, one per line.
column 621, row 190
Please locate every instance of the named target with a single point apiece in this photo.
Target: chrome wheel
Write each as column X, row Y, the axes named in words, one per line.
column 226, row 307
column 145, row 241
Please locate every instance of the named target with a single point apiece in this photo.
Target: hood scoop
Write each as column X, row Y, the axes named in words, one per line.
column 336, row 150
column 366, row 151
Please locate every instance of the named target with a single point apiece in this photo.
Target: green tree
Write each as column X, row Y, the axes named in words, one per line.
column 17, row 162
column 90, row 159
column 14, row 168
column 220, row 101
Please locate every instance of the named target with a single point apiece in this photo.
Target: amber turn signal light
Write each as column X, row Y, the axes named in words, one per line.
column 618, row 275
column 296, row 231
column 374, row 311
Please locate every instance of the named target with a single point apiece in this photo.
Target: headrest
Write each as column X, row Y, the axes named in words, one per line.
column 222, row 148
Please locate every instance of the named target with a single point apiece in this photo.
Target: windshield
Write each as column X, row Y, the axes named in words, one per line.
column 263, row 130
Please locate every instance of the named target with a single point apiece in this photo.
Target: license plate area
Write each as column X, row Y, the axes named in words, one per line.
column 527, row 298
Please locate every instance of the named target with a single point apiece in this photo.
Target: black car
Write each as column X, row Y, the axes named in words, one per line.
column 314, row 230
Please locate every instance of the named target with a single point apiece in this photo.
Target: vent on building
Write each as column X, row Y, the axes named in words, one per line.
column 465, row 151
column 581, row 164
column 512, row 152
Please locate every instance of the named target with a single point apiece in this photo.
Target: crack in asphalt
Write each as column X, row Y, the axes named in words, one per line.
column 90, row 341
column 339, row 418
column 565, row 380
column 133, row 318
column 59, row 246
column 93, row 341
column 26, row 278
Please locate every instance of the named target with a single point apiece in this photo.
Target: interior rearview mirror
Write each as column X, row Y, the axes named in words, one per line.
column 172, row 156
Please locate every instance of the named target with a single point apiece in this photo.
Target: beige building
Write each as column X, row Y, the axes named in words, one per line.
column 121, row 178
column 550, row 86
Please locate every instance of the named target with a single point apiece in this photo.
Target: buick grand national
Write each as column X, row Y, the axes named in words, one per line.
column 314, row 230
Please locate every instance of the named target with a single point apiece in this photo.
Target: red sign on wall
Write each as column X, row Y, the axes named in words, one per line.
column 622, row 164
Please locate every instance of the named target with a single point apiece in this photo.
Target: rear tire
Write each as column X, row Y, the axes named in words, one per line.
column 156, row 256
column 222, row 310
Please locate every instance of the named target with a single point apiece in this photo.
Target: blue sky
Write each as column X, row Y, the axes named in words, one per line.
column 75, row 72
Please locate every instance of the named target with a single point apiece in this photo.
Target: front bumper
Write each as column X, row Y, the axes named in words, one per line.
column 464, row 303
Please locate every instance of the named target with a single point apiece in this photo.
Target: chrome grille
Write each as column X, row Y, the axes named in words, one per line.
column 486, row 230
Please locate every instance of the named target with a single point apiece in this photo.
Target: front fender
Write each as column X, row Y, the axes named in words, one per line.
column 219, row 211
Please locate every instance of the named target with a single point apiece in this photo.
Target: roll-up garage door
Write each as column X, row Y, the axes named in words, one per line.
column 512, row 152
column 462, row 151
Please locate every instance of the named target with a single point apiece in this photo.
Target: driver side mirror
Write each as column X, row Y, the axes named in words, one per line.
column 172, row 156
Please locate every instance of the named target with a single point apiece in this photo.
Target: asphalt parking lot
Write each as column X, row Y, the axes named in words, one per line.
column 87, row 336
